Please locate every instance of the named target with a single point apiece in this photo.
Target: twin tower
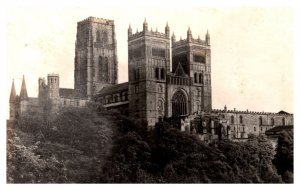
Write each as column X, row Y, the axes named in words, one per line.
column 155, row 89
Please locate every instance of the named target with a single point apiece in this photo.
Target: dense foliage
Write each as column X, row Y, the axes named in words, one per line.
column 73, row 144
column 284, row 158
column 87, row 146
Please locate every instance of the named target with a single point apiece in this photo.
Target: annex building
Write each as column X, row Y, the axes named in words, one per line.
column 167, row 79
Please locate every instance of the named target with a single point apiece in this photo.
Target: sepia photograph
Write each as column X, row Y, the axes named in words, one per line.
column 130, row 92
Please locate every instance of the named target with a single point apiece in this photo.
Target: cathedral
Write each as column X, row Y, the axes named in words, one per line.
column 167, row 79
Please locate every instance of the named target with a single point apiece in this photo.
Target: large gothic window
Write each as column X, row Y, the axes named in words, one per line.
column 100, row 68
column 103, row 69
column 179, row 104
column 283, row 121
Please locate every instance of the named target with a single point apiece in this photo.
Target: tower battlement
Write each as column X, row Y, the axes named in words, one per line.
column 190, row 39
column 97, row 20
column 185, row 41
column 147, row 33
column 150, row 33
column 53, row 75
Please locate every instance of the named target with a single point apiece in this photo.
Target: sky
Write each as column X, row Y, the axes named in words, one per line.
column 251, row 46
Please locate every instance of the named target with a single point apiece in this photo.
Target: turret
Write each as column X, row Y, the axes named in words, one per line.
column 173, row 38
column 167, row 30
column 12, row 97
column 207, row 38
column 53, row 85
column 189, row 35
column 129, row 30
column 145, row 25
column 23, row 93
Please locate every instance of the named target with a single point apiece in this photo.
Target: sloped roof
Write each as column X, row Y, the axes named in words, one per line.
column 278, row 129
column 179, row 71
column 281, row 128
column 113, row 89
column 283, row 112
column 66, row 92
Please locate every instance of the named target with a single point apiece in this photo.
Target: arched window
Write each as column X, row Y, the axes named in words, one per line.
column 137, row 74
column 105, row 70
column 283, row 121
column 232, row 119
column 162, row 73
column 272, row 121
column 241, row 119
column 195, row 78
column 100, row 68
column 156, row 73
column 200, row 78
column 254, row 128
column 179, row 104
column 260, row 121
column 98, row 36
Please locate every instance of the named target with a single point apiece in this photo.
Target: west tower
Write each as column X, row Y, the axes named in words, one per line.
column 96, row 64
column 194, row 57
column 148, row 65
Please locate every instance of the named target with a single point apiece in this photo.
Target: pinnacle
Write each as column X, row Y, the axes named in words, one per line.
column 12, row 92
column 23, row 93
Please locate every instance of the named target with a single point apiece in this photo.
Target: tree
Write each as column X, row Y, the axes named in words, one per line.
column 284, row 157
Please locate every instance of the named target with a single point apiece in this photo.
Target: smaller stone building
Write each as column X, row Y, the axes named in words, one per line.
column 50, row 95
column 233, row 124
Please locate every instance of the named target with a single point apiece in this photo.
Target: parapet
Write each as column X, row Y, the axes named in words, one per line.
column 53, row 75
column 97, row 20
column 148, row 33
column 185, row 41
column 248, row 112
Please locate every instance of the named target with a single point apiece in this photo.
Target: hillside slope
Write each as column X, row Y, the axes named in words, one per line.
column 84, row 145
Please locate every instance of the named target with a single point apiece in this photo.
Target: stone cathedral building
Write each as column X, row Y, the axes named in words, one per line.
column 167, row 79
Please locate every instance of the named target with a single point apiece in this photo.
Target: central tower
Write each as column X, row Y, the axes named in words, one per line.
column 96, row 63
column 148, row 65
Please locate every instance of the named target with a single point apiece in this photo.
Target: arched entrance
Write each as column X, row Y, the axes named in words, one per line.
column 179, row 104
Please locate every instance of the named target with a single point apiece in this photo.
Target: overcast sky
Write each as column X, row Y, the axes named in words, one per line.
column 251, row 47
